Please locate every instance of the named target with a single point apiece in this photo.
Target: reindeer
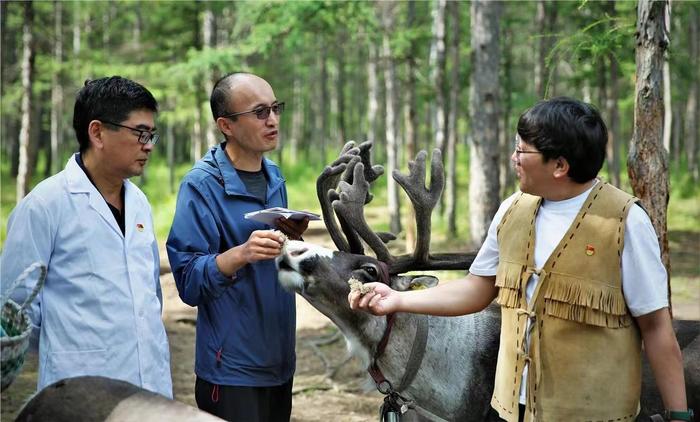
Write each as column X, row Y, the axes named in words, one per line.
column 93, row 398
column 441, row 367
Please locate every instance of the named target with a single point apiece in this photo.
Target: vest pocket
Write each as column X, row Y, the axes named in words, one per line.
column 585, row 301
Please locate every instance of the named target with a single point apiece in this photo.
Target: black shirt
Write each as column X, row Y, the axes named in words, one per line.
column 119, row 216
column 255, row 182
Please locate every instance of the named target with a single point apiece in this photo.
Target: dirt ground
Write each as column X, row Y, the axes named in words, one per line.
column 317, row 397
column 345, row 395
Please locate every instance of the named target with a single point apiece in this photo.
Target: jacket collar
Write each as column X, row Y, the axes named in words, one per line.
column 78, row 182
column 233, row 185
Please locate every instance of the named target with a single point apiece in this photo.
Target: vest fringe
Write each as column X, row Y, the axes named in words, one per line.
column 595, row 304
column 509, row 279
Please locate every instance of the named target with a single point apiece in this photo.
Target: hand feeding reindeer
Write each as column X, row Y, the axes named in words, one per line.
column 442, row 366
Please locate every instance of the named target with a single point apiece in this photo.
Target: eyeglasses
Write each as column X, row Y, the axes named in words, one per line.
column 521, row 151
column 262, row 112
column 145, row 136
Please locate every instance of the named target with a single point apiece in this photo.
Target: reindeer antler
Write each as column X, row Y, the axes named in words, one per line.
column 423, row 199
column 352, row 195
column 350, row 205
column 325, row 185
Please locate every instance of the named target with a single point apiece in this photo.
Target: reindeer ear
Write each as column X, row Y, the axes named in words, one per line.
column 413, row 282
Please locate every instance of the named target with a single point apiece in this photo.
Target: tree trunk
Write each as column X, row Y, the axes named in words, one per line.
column 106, row 20
column 372, row 92
column 57, row 89
column 340, row 96
column 437, row 75
column 675, row 154
column 138, row 26
column 77, row 28
column 227, row 21
column 411, row 118
column 540, row 68
column 391, row 141
column 505, row 131
column 333, row 97
column 612, row 111
column 647, row 163
column 297, row 111
column 196, row 151
column 451, row 151
column 6, row 39
column 322, row 114
column 603, row 92
column 170, row 156
column 484, row 108
column 668, row 109
column 24, row 172
column 545, row 19
column 208, row 34
column 614, row 135
column 692, row 114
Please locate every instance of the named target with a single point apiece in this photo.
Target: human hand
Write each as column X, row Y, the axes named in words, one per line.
column 261, row 245
column 380, row 300
column 292, row 228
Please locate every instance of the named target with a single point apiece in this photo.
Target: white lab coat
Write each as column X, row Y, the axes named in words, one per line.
column 99, row 312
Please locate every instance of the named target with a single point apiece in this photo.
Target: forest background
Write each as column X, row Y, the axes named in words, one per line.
column 406, row 75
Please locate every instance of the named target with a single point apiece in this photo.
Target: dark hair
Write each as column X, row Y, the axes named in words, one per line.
column 221, row 95
column 111, row 98
column 565, row 127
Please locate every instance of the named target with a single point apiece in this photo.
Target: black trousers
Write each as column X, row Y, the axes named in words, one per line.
column 245, row 404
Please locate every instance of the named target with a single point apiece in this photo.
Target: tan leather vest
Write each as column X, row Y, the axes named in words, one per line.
column 585, row 349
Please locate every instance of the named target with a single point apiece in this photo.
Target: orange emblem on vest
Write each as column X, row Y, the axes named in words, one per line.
column 590, row 250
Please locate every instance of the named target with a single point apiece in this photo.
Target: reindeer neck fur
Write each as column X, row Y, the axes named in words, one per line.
column 362, row 331
column 471, row 347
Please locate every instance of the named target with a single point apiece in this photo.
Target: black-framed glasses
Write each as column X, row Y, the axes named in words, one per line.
column 145, row 136
column 519, row 151
column 261, row 112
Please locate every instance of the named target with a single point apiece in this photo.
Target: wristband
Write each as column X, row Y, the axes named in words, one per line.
column 680, row 415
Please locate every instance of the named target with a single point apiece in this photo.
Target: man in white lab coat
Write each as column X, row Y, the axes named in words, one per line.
column 99, row 312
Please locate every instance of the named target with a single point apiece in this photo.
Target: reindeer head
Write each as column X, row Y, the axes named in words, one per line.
column 321, row 275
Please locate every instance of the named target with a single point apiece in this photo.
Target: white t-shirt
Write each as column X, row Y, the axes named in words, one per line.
column 644, row 277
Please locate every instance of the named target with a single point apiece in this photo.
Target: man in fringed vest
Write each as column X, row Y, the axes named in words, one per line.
column 575, row 265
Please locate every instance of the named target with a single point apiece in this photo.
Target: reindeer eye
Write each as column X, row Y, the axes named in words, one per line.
column 370, row 270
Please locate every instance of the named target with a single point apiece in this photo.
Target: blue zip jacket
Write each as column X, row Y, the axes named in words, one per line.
column 245, row 324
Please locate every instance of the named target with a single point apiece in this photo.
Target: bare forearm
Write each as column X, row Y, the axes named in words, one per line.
column 664, row 354
column 459, row 297
column 230, row 261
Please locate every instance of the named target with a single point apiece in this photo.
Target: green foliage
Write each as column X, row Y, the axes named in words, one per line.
column 161, row 45
column 598, row 38
column 684, row 201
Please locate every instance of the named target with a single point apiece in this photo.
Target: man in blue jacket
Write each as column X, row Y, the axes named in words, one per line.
column 224, row 264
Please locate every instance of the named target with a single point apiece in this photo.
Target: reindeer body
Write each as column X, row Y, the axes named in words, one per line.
column 456, row 375
column 455, row 378
column 92, row 398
